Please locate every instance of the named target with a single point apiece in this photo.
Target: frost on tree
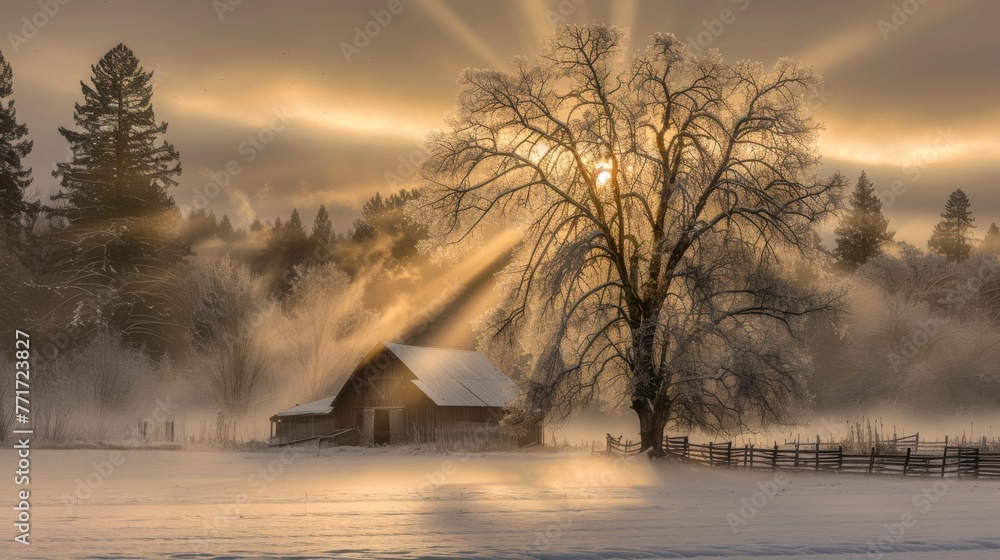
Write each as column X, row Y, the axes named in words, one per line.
column 659, row 203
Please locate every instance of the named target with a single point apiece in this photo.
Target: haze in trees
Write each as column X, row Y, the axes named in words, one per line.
column 14, row 147
column 233, row 351
column 863, row 230
column 287, row 245
column 226, row 231
column 115, row 243
column 991, row 242
column 922, row 335
column 15, row 211
column 385, row 219
column 657, row 202
column 952, row 235
column 322, row 228
column 321, row 330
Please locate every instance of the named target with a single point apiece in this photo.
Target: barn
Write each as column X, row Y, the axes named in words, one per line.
column 304, row 422
column 410, row 394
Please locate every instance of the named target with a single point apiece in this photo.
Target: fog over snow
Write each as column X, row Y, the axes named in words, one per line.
column 413, row 503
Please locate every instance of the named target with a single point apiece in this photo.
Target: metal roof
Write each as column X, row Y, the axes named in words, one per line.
column 322, row 406
column 455, row 377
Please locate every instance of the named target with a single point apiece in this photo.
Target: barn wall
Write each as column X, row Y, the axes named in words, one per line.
column 383, row 381
column 291, row 428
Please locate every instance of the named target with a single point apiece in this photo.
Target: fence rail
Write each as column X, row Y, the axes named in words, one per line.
column 944, row 462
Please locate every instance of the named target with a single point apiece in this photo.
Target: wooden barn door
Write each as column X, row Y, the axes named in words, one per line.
column 382, row 431
column 368, row 427
column 395, row 425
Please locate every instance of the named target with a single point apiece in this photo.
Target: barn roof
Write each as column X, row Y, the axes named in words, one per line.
column 322, row 406
column 455, row 377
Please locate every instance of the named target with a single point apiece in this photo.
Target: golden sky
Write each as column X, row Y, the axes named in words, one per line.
column 912, row 86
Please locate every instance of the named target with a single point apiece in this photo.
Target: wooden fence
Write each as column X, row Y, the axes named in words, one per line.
column 949, row 461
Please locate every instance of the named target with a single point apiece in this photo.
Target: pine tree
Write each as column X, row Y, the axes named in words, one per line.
column 14, row 147
column 322, row 229
column 119, row 171
column 256, row 225
column 225, row 229
column 14, row 179
column 294, row 229
column 991, row 243
column 864, row 229
column 386, row 217
column 118, row 245
column 952, row 234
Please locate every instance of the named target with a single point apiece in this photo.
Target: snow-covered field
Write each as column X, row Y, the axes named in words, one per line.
column 409, row 503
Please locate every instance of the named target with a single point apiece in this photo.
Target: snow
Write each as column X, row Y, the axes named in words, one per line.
column 322, row 406
column 455, row 377
column 407, row 502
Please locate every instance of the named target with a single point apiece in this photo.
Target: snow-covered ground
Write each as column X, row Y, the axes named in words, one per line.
column 374, row 503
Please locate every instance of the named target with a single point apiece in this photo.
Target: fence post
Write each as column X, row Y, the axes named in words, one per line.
column 817, row 452
column 871, row 462
column 944, row 458
column 751, row 456
column 729, row 453
column 906, row 463
column 774, row 457
column 796, row 454
column 840, row 457
column 711, row 453
column 686, row 450
column 975, row 468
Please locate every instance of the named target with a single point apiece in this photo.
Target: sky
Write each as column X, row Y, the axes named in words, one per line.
column 294, row 104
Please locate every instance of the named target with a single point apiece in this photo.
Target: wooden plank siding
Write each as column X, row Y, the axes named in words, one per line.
column 382, row 381
column 291, row 428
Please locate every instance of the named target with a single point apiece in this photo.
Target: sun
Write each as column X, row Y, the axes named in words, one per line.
column 602, row 173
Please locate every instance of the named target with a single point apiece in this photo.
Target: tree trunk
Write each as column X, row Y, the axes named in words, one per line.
column 652, row 420
column 652, row 408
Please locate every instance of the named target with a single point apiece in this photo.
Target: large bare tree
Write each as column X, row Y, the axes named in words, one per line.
column 660, row 202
